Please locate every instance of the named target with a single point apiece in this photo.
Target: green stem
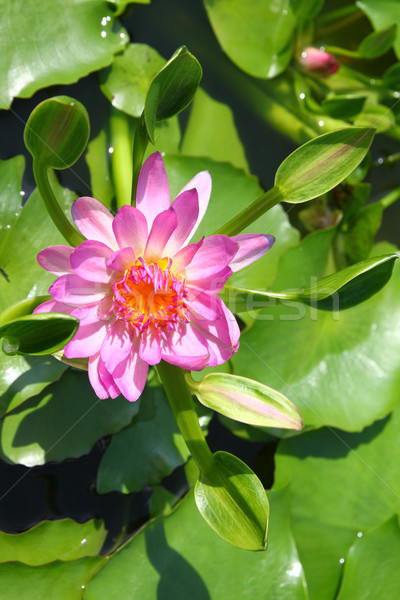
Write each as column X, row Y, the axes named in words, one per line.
column 252, row 212
column 41, row 174
column 390, row 198
column 139, row 148
column 121, row 158
column 180, row 398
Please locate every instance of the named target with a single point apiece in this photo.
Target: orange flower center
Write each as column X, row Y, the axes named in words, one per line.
column 150, row 295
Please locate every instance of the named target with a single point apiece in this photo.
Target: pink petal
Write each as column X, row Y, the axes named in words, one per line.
column 87, row 340
column 94, row 312
column 152, row 196
column 116, row 345
column 130, row 229
column 213, row 257
column 186, row 206
column 212, row 284
column 89, row 261
column 93, row 220
column 164, row 225
column 53, row 306
column 202, row 183
column 222, row 336
column 185, row 256
column 150, row 350
column 131, row 374
column 72, row 289
column 56, row 259
column 204, row 307
column 185, row 348
column 100, row 380
column 121, row 260
column 251, row 247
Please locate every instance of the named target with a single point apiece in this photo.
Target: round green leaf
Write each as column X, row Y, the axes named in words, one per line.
column 43, row 333
column 257, row 36
column 57, row 132
column 180, row 557
column 172, row 89
column 339, row 368
column 322, row 163
column 58, row 580
column 63, row 421
column 372, row 564
column 378, row 42
column 53, row 540
column 59, row 42
column 155, row 444
column 232, row 500
column 343, row 107
column 343, row 485
column 127, row 80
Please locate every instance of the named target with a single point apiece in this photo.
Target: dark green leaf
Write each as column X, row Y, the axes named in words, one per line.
column 257, row 36
column 180, row 557
column 232, row 500
column 383, row 15
column 155, row 444
column 378, row 42
column 43, row 333
column 57, row 42
column 63, row 421
column 342, row 485
column 127, row 80
column 53, row 540
column 371, row 567
column 172, row 89
column 57, row 580
column 360, row 235
column 322, row 163
column 343, row 107
column 57, row 132
column 340, row 369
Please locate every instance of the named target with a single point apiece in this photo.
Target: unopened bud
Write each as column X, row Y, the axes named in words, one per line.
column 317, row 61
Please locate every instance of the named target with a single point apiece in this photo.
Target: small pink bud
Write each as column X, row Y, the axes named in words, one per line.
column 317, row 61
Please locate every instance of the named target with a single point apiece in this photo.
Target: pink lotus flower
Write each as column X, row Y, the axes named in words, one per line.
column 141, row 291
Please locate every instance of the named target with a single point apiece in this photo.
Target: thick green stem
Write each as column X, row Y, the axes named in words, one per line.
column 121, row 158
column 390, row 198
column 139, row 148
column 252, row 212
column 41, row 174
column 180, row 398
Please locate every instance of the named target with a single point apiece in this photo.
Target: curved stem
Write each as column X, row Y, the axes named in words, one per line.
column 180, row 399
column 252, row 212
column 139, row 148
column 121, row 158
column 41, row 174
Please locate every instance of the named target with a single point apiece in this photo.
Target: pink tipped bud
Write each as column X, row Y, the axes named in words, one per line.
column 317, row 61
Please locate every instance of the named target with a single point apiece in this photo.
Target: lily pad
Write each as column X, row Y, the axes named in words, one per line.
column 161, row 562
column 57, row 42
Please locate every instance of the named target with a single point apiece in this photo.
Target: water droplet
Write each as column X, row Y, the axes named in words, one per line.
column 322, row 48
column 304, row 54
column 17, row 214
column 103, row 34
column 108, row 18
column 83, row 587
column 302, row 96
column 83, row 542
column 8, row 226
column 372, row 81
column 360, row 534
column 380, row 160
column 284, row 12
column 341, row 561
column 321, row 123
column 162, row 153
column 122, row 35
column 22, row 193
column 110, row 150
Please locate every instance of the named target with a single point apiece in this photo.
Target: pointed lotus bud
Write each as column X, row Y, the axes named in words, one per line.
column 317, row 61
column 246, row 401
